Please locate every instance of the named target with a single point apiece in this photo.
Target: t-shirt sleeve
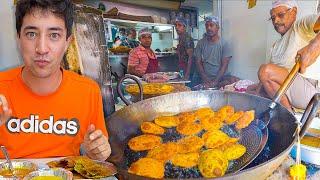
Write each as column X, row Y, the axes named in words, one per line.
column 198, row 51
column 98, row 114
column 226, row 49
column 305, row 25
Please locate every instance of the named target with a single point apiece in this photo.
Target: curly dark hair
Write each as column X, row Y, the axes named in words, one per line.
column 61, row 8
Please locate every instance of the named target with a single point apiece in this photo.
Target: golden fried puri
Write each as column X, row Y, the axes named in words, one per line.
column 147, row 167
column 204, row 112
column 235, row 151
column 186, row 117
column 211, row 123
column 245, row 120
column 163, row 152
column 167, row 121
column 151, row 128
column 144, row 142
column 234, row 117
column 190, row 144
column 225, row 112
column 189, row 128
column 214, row 138
column 212, row 163
column 185, row 160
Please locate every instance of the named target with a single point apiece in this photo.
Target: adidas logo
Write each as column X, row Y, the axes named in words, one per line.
column 45, row 126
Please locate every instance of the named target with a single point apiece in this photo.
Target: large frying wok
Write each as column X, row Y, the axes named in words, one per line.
column 124, row 124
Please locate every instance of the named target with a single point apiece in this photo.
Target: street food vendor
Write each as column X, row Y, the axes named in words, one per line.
column 46, row 111
column 298, row 37
column 184, row 48
column 130, row 41
column 142, row 59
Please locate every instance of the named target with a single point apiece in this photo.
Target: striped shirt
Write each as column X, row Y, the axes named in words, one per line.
column 139, row 60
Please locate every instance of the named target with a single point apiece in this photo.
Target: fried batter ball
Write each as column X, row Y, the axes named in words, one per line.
column 144, row 142
column 151, row 128
column 189, row 128
column 214, row 138
column 204, row 112
column 147, row 167
column 225, row 112
column 186, row 117
column 185, row 160
column 235, row 151
column 212, row 163
column 245, row 120
column 163, row 152
column 234, row 117
column 190, row 144
column 167, row 121
column 211, row 123
column 230, row 142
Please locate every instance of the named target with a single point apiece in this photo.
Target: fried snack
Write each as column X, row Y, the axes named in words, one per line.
column 120, row 49
column 234, row 117
column 204, row 112
column 235, row 151
column 212, row 163
column 167, row 121
column 151, row 89
column 298, row 171
column 230, row 142
column 147, row 167
column 190, row 144
column 245, row 120
column 211, row 123
column 144, row 142
column 66, row 163
column 151, row 128
column 90, row 169
column 185, row 160
column 189, row 128
column 163, row 152
column 186, row 117
column 214, row 138
column 225, row 112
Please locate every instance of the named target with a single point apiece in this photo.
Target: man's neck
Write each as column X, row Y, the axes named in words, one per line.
column 42, row 86
column 146, row 47
column 214, row 38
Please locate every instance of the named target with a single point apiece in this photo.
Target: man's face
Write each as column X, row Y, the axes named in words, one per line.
column 42, row 43
column 145, row 40
column 282, row 18
column 180, row 27
column 212, row 29
column 132, row 35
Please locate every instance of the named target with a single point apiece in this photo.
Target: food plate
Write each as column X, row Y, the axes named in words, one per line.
column 20, row 169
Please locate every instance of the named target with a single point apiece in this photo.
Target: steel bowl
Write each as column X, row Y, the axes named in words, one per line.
column 57, row 172
column 17, row 166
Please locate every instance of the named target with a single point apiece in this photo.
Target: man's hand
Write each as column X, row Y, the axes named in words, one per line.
column 5, row 111
column 96, row 144
column 307, row 56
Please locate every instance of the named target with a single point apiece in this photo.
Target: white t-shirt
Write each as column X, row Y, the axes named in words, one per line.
column 285, row 49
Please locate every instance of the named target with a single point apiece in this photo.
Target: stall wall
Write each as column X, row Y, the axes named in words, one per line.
column 251, row 34
column 8, row 47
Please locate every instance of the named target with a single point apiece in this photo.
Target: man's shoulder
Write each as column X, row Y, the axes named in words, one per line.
column 80, row 81
column 9, row 75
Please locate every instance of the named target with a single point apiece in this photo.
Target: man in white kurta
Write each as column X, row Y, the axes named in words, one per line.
column 295, row 35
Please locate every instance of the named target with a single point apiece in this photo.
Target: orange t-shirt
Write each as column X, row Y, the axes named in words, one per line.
column 52, row 125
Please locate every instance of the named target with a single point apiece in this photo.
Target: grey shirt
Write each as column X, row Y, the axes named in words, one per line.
column 211, row 54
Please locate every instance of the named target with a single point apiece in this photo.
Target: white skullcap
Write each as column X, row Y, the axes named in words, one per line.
column 286, row 3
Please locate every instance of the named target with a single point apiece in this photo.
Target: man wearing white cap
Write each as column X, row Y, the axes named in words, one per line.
column 213, row 56
column 142, row 59
column 298, row 37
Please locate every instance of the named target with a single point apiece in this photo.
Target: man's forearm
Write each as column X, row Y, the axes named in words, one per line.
column 187, row 74
column 201, row 70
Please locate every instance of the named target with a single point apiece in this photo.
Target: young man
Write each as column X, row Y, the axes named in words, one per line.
column 142, row 59
column 184, row 48
column 213, row 57
column 295, row 35
column 45, row 110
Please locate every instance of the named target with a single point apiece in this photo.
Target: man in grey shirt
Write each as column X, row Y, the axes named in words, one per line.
column 213, row 57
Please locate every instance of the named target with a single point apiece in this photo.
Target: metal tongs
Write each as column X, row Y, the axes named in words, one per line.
column 6, row 155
